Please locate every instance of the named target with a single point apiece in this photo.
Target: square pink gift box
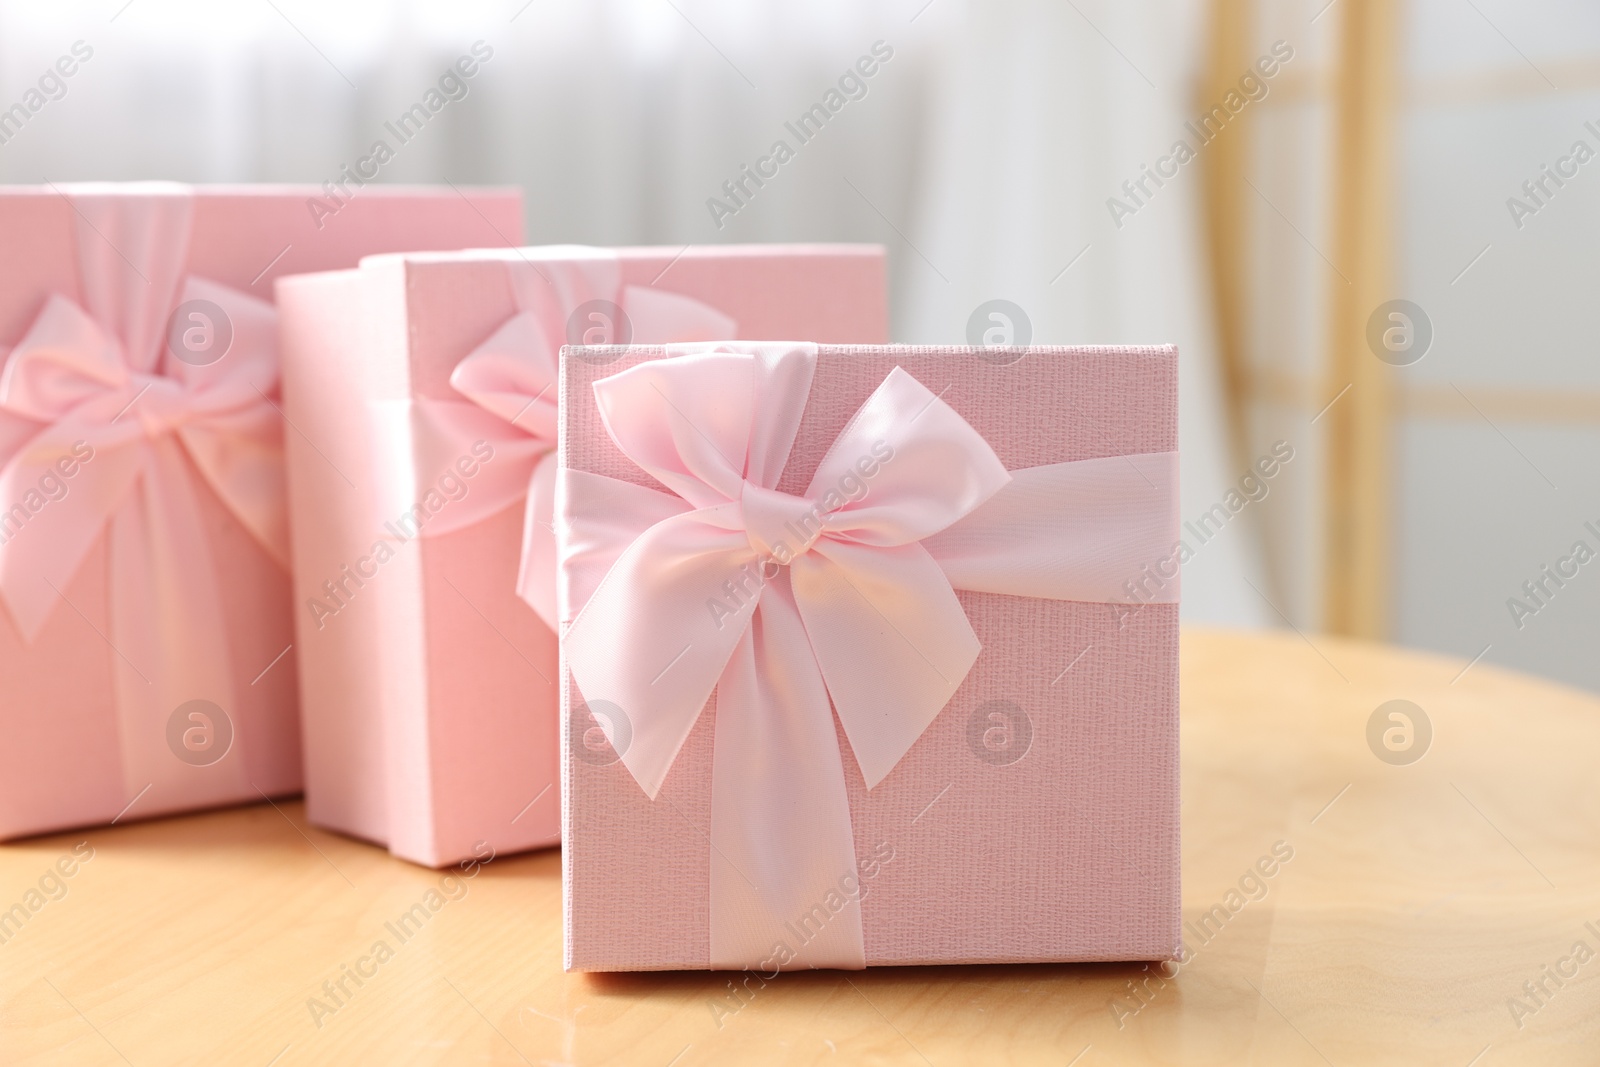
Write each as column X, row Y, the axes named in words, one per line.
column 423, row 517
column 870, row 656
column 145, row 640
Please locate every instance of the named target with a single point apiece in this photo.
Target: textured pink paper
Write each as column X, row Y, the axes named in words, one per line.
column 432, row 714
column 1069, row 853
column 60, row 766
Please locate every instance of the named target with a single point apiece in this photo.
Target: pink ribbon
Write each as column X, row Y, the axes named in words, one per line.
column 785, row 604
column 97, row 384
column 509, row 382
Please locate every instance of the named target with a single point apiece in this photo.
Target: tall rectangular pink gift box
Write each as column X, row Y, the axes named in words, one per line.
column 428, row 679
column 90, row 276
column 1035, row 819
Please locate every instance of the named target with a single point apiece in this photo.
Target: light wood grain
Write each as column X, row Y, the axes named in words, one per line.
column 1416, row 905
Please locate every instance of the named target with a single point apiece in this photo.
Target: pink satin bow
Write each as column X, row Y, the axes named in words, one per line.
column 509, row 380
column 784, row 604
column 103, row 389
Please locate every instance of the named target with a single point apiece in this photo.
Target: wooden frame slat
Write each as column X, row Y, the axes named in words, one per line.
column 1356, row 504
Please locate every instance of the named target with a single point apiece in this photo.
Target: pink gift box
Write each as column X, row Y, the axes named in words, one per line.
column 429, row 679
column 165, row 551
column 1035, row 817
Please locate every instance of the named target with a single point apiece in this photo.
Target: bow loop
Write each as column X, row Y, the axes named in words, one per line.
column 701, row 582
column 64, row 360
column 513, row 375
column 231, row 426
column 906, row 467
column 688, row 427
column 234, row 360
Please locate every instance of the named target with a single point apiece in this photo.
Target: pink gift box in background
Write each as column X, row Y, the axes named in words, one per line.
column 147, row 566
column 421, row 482
column 1029, row 815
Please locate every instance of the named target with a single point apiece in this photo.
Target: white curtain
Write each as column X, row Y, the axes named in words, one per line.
column 1043, row 110
column 981, row 151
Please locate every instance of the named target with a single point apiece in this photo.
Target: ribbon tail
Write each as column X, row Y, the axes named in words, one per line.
column 785, row 894
column 240, row 455
column 536, row 574
column 890, row 637
column 168, row 635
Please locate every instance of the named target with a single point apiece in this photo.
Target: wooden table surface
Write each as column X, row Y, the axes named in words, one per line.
column 1420, row 898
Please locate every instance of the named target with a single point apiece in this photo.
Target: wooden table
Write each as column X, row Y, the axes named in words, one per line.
column 1419, row 899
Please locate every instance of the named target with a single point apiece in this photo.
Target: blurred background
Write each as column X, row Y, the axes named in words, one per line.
column 1369, row 225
